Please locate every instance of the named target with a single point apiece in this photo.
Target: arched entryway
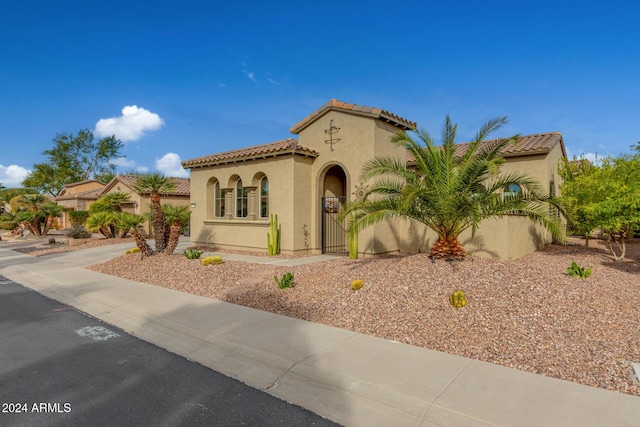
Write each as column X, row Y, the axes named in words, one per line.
column 334, row 196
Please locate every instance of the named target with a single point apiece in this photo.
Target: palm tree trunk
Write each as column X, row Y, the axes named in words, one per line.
column 142, row 244
column 159, row 227
column 174, row 236
column 447, row 247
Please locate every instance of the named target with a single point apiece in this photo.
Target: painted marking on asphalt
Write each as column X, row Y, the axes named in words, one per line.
column 97, row 333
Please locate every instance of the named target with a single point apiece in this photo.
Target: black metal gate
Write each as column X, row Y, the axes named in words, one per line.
column 334, row 234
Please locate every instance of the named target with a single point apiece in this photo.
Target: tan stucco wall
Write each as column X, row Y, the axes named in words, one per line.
column 351, row 152
column 85, row 186
column 288, row 198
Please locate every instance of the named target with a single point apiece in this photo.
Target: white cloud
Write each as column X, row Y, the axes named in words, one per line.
column 169, row 164
column 123, row 162
column 273, row 82
column 12, row 176
column 251, row 76
column 131, row 125
column 142, row 169
column 592, row 157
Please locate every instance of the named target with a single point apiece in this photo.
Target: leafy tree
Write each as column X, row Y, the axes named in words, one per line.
column 74, row 158
column 606, row 196
column 156, row 184
column 8, row 194
column 579, row 189
column 450, row 193
column 177, row 218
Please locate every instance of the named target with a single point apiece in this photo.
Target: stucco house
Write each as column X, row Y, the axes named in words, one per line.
column 306, row 180
column 141, row 201
column 80, row 196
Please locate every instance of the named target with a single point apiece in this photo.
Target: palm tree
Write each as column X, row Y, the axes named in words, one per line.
column 178, row 218
column 101, row 222
column 155, row 184
column 32, row 216
column 451, row 189
column 111, row 202
column 50, row 210
column 132, row 222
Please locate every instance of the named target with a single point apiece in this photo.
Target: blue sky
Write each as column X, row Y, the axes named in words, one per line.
column 178, row 80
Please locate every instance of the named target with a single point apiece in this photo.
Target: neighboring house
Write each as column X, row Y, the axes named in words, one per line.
column 78, row 197
column 306, row 181
column 141, row 202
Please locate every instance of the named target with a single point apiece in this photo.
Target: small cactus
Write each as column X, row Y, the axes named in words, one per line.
column 212, row 260
column 285, row 282
column 357, row 284
column 575, row 270
column 457, row 299
column 192, row 253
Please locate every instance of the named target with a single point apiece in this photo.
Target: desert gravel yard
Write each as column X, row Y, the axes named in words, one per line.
column 528, row 314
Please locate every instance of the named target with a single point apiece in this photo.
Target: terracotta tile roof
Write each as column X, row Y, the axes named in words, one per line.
column 334, row 104
column 527, row 145
column 285, row 146
column 83, row 195
column 182, row 184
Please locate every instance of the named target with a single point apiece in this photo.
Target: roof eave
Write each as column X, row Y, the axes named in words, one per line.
column 247, row 159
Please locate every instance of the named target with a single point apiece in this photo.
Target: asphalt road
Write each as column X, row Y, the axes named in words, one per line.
column 60, row 367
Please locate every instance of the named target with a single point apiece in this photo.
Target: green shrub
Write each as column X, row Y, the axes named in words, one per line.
column 78, row 231
column 78, row 217
column 285, row 282
column 357, row 284
column 8, row 225
column 457, row 299
column 575, row 270
column 212, row 260
column 192, row 253
column 132, row 251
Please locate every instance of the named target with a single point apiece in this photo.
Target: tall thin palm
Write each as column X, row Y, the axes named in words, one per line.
column 450, row 188
column 156, row 184
column 178, row 218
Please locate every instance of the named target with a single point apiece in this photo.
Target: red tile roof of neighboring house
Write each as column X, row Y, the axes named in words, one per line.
column 527, row 145
column 285, row 146
column 181, row 188
column 334, row 104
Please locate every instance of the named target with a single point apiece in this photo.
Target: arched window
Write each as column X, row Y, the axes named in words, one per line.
column 218, row 201
column 264, row 197
column 241, row 200
column 512, row 190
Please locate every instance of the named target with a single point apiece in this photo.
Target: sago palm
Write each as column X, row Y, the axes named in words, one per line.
column 132, row 222
column 450, row 188
column 156, row 184
column 101, row 222
column 178, row 218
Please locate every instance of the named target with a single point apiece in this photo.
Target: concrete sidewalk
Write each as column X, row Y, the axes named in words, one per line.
column 354, row 379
